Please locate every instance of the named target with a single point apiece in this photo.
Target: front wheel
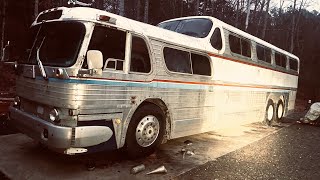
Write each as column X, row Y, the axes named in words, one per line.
column 145, row 132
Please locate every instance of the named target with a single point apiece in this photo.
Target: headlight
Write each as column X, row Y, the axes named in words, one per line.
column 16, row 102
column 54, row 115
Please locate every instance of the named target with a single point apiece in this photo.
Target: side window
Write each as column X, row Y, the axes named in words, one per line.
column 200, row 65
column 234, row 43
column 263, row 53
column 267, row 55
column 293, row 64
column 177, row 60
column 246, row 47
column 216, row 40
column 240, row 46
column 172, row 25
column 260, row 53
column 280, row 59
column 103, row 39
column 140, row 59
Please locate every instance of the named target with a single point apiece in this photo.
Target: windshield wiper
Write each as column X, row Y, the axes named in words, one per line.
column 42, row 70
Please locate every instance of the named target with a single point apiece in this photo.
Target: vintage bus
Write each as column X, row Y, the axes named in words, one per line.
column 97, row 81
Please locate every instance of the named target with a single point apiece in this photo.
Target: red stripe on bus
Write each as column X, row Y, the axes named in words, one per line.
column 194, row 83
column 225, row 84
column 248, row 63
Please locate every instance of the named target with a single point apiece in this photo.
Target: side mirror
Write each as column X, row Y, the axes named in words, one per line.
column 95, row 61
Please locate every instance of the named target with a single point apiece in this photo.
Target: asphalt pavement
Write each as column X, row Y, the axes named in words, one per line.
column 291, row 153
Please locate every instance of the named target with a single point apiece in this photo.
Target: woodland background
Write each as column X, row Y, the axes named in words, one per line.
column 286, row 24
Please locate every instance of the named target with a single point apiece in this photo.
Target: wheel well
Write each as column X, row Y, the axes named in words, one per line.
column 276, row 98
column 165, row 110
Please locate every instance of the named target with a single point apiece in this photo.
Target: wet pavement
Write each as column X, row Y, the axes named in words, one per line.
column 290, row 153
column 25, row 159
column 284, row 151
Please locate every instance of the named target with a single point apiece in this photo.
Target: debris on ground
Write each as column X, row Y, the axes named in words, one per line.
column 190, row 153
column 188, row 142
column 90, row 166
column 138, row 169
column 159, row 170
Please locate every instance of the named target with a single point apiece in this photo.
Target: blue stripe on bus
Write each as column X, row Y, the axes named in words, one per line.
column 131, row 84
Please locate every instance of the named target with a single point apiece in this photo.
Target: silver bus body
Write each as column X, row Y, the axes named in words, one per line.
column 95, row 107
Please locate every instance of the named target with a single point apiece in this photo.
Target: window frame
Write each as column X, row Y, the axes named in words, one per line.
column 281, row 55
column 145, row 39
column 221, row 35
column 209, row 60
column 104, row 68
column 293, row 60
column 190, row 52
column 241, row 39
column 265, row 49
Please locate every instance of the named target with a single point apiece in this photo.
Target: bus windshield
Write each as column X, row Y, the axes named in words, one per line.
column 56, row 43
column 196, row 27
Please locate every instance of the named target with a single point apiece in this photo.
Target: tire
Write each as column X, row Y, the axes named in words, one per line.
column 145, row 132
column 279, row 111
column 270, row 113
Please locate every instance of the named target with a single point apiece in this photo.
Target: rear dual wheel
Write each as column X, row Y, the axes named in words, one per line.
column 269, row 117
column 279, row 111
column 274, row 113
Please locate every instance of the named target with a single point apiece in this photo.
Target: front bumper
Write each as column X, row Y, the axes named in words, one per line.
column 57, row 137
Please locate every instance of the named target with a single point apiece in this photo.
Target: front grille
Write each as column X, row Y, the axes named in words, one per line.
column 36, row 109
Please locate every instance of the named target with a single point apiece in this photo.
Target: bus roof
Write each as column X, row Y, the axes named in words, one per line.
column 237, row 31
column 90, row 15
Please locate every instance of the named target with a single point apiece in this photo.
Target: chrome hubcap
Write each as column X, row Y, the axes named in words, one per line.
column 280, row 111
column 147, row 131
column 270, row 112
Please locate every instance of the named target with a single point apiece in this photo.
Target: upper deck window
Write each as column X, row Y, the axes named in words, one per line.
column 281, row 60
column 293, row 64
column 216, row 40
column 195, row 27
column 172, row 25
column 235, row 45
column 58, row 43
column 239, row 45
column 263, row 53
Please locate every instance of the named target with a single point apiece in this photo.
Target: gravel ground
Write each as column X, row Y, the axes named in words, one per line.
column 291, row 153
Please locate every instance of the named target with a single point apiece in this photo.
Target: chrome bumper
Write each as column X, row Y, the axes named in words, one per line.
column 58, row 137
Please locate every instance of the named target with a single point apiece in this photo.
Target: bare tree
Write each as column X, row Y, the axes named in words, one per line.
column 303, row 4
column 266, row 15
column 3, row 25
column 36, row 8
column 248, row 14
column 146, row 11
column 237, row 13
column 196, row 7
column 292, row 26
column 260, row 17
column 205, row 5
column 121, row 7
column 138, row 10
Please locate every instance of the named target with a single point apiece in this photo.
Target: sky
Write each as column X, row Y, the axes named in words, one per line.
column 311, row 4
